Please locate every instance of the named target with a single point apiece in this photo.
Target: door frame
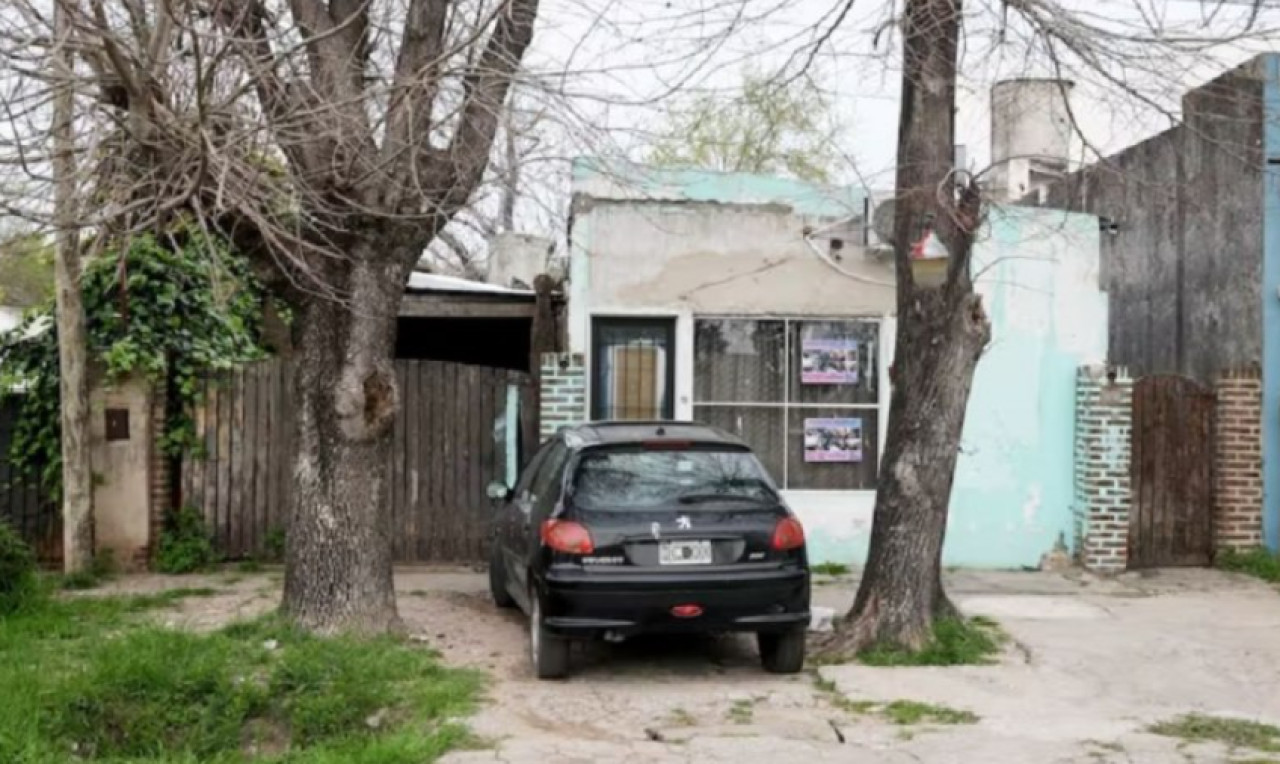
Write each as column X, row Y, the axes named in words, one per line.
column 667, row 323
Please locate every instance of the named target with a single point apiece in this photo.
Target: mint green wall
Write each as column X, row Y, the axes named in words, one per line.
column 1014, row 483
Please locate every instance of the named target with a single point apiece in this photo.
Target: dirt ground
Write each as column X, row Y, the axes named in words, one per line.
column 1092, row 665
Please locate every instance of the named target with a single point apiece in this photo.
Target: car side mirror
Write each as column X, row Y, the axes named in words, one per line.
column 498, row 490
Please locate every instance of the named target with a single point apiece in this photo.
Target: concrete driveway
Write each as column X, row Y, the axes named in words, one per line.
column 1093, row 664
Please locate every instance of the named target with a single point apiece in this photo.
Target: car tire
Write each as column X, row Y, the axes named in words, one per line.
column 498, row 580
column 549, row 652
column 782, row 653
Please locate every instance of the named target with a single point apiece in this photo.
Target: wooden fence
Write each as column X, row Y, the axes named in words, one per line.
column 23, row 503
column 451, row 439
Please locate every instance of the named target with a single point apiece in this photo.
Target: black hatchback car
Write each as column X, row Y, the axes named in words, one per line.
column 616, row 529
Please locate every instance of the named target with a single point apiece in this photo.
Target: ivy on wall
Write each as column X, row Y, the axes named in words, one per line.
column 168, row 308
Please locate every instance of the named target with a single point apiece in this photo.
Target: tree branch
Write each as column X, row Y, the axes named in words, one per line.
column 485, row 90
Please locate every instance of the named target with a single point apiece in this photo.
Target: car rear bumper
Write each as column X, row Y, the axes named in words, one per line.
column 586, row 603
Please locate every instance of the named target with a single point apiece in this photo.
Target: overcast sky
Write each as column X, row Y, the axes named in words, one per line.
column 621, row 55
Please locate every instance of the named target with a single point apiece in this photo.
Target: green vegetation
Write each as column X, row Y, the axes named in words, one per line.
column 168, row 308
column 1259, row 563
column 100, row 683
column 912, row 712
column 769, row 126
column 274, row 544
column 742, row 711
column 26, row 270
column 1237, row 733
column 185, row 545
column 682, row 718
column 956, row 642
column 18, row 582
column 901, row 712
column 830, row 569
column 102, row 568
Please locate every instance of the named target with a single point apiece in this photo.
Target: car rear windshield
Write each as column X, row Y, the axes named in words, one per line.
column 637, row 478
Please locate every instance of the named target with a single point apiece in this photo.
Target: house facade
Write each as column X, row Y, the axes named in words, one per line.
column 754, row 304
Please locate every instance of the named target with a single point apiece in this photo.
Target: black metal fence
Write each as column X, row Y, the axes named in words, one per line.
column 23, row 503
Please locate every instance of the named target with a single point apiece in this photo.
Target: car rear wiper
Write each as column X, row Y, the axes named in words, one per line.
column 698, row 498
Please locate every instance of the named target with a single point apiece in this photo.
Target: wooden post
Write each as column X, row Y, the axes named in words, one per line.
column 544, row 337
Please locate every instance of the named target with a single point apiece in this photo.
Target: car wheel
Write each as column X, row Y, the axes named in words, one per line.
column 549, row 652
column 782, row 653
column 498, row 580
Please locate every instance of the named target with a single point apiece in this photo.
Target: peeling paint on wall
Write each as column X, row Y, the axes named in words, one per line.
column 1036, row 269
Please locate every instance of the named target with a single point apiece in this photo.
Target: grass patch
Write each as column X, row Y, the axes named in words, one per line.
column 101, row 569
column 679, row 717
column 956, row 642
column 1259, row 563
column 905, row 712
column 1237, row 733
column 830, row 569
column 104, row 684
column 742, row 711
column 900, row 712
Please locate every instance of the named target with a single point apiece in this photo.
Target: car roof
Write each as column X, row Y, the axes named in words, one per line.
column 623, row 432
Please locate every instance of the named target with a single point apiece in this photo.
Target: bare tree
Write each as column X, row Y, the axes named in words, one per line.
column 333, row 142
column 77, row 487
column 942, row 330
column 941, row 334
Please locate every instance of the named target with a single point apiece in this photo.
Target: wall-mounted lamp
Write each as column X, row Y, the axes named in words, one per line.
column 1108, row 225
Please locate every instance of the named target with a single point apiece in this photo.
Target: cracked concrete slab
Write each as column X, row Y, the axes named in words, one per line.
column 1100, row 660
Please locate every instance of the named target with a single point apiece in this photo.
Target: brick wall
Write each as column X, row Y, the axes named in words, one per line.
column 1237, row 519
column 563, row 392
column 1104, row 413
column 158, row 468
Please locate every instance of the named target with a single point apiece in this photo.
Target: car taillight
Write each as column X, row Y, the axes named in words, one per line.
column 788, row 534
column 566, row 536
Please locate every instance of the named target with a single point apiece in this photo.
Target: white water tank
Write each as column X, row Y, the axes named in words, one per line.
column 1031, row 135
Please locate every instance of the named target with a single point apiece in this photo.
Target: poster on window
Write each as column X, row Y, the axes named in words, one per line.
column 833, row 440
column 828, row 361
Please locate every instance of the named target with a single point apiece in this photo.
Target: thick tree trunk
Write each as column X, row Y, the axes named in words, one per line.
column 901, row 591
column 338, row 553
column 941, row 334
column 77, row 486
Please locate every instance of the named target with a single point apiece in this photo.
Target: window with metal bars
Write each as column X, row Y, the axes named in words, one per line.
column 803, row 393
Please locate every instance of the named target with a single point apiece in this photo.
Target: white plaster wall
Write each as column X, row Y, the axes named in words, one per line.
column 709, row 259
column 682, row 260
column 121, row 495
column 9, row 318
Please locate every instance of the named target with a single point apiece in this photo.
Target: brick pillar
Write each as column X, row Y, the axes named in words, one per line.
column 158, row 478
column 1237, row 517
column 1104, row 415
column 563, row 399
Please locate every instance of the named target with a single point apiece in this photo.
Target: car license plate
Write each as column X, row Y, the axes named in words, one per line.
column 684, row 553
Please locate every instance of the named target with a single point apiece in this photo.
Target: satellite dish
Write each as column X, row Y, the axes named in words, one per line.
column 882, row 222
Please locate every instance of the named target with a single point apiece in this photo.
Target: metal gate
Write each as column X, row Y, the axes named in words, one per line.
column 1171, row 519
column 458, row 428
